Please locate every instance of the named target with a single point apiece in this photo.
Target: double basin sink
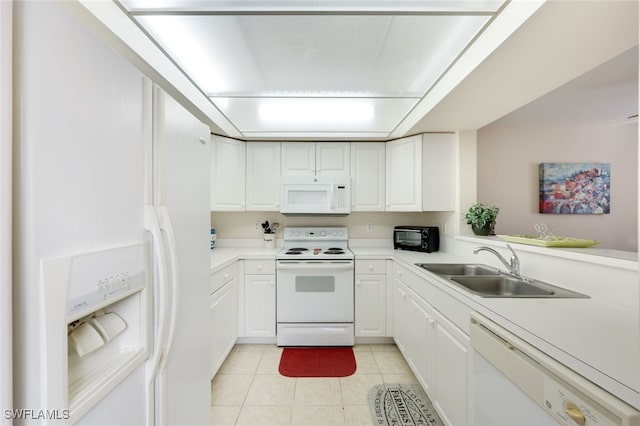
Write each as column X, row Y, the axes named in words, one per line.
column 486, row 281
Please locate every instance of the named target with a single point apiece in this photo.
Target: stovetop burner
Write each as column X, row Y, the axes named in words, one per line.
column 298, row 249
column 333, row 251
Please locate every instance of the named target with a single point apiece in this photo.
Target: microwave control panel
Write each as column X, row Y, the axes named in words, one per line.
column 341, row 196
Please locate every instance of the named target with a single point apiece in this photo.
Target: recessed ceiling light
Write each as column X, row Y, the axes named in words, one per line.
column 316, row 111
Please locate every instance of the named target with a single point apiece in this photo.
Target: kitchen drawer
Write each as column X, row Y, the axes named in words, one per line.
column 223, row 276
column 410, row 279
column 371, row 266
column 259, row 267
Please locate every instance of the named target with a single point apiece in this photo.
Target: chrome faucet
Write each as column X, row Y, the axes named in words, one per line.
column 513, row 264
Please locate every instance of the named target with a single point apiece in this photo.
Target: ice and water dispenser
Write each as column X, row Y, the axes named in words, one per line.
column 97, row 316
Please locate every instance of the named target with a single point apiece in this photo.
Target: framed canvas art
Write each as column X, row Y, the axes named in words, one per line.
column 575, row 188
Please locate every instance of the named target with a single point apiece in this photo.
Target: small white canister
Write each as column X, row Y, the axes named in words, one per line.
column 269, row 240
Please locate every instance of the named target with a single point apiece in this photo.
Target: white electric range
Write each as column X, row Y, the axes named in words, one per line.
column 315, row 288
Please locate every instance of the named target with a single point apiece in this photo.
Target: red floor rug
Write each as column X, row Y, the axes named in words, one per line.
column 317, row 362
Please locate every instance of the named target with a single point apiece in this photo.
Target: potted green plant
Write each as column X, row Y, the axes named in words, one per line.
column 482, row 218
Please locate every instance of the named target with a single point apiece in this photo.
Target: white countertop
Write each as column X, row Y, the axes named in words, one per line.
column 599, row 339
column 221, row 257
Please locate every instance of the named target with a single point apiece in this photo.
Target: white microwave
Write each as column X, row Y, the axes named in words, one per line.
column 315, row 195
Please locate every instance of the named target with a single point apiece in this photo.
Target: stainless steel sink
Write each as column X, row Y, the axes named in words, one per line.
column 486, row 281
column 458, row 269
column 509, row 286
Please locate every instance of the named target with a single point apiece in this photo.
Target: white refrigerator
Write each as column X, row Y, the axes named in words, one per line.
column 110, row 212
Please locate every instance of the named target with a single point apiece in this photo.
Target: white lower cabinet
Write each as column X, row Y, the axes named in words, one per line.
column 259, row 305
column 370, row 298
column 420, row 338
column 224, row 315
column 452, row 356
column 438, row 352
column 259, row 298
column 370, row 318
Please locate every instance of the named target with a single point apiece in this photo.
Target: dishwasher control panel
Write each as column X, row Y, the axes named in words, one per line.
column 569, row 409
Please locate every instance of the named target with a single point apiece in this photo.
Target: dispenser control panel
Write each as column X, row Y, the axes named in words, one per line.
column 100, row 278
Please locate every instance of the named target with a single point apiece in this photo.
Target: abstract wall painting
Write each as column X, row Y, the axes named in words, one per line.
column 575, row 188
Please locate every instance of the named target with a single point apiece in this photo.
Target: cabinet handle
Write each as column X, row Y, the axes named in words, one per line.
column 371, row 267
column 358, row 283
column 225, row 276
column 259, row 267
column 431, row 321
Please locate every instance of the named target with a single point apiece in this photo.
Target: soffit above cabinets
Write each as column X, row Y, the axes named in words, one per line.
column 327, row 69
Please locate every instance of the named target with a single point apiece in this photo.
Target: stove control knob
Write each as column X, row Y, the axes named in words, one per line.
column 323, row 234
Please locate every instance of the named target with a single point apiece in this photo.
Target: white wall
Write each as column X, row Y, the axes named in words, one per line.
column 583, row 121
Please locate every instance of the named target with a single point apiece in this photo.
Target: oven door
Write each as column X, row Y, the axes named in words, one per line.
column 315, row 291
column 407, row 239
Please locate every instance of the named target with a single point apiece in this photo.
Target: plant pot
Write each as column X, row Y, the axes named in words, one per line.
column 485, row 230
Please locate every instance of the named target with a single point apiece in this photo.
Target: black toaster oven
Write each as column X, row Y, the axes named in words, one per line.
column 416, row 238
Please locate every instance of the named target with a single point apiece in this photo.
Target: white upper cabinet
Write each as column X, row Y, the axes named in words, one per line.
column 404, row 174
column 421, row 173
column 227, row 174
column 332, row 158
column 368, row 176
column 298, row 158
column 315, row 159
column 263, row 176
column 439, row 155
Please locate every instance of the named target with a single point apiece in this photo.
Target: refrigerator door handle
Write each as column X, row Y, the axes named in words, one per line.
column 152, row 225
column 167, row 228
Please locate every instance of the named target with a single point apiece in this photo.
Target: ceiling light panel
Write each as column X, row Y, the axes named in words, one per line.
column 360, row 67
column 244, row 6
column 374, row 55
column 277, row 115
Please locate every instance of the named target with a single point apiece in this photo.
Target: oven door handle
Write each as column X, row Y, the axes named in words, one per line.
column 314, row 265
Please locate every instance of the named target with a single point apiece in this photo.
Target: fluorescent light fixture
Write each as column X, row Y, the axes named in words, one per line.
column 191, row 48
column 316, row 111
column 313, row 5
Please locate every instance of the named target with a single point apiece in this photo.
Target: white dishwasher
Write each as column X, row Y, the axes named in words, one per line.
column 515, row 384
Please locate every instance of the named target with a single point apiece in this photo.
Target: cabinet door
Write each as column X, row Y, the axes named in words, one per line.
column 227, row 174
column 332, row 158
column 401, row 320
column 263, row 176
column 260, row 305
column 298, row 158
column 224, row 323
column 403, row 174
column 420, row 340
column 438, row 171
column 367, row 176
column 370, row 298
column 451, row 376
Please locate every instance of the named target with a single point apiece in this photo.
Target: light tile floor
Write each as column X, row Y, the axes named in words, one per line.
column 248, row 390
